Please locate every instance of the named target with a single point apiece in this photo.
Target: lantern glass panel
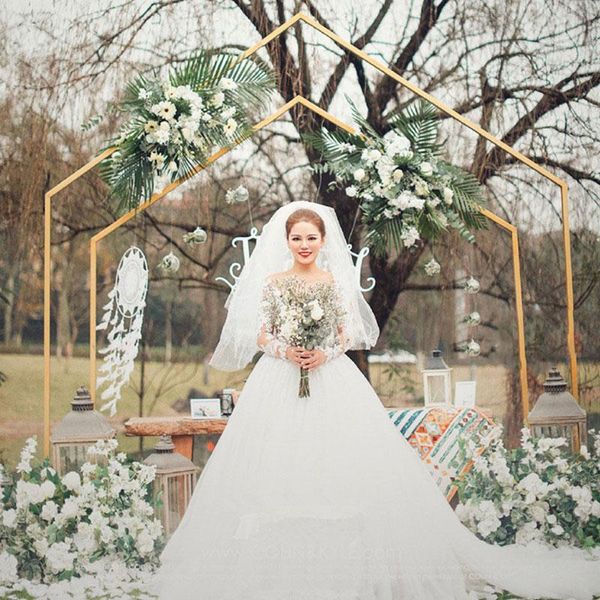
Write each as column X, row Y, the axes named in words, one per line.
column 437, row 388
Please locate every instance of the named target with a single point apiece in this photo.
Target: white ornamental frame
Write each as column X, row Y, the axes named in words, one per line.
column 236, row 268
column 125, row 313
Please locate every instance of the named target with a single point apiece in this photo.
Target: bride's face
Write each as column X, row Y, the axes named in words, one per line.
column 304, row 242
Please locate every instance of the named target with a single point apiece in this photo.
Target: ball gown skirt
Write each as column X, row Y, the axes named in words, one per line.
column 320, row 498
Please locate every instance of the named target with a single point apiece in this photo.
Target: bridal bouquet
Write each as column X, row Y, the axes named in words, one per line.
column 304, row 315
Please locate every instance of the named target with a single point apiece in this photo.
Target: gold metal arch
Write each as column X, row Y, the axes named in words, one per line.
column 301, row 100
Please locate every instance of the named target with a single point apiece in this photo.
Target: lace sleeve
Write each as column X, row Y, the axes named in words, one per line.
column 267, row 341
column 340, row 343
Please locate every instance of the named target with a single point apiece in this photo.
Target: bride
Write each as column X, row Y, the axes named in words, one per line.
column 318, row 497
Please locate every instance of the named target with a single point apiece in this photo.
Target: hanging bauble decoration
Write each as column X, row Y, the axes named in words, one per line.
column 237, row 195
column 473, row 318
column 193, row 238
column 472, row 348
column 124, row 312
column 170, row 263
column 432, row 267
column 471, row 285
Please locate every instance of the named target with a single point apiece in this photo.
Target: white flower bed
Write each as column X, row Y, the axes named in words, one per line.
column 79, row 535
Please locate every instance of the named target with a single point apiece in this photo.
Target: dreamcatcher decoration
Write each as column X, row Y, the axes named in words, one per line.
column 124, row 313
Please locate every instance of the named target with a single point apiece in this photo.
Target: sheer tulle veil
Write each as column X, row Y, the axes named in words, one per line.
column 238, row 342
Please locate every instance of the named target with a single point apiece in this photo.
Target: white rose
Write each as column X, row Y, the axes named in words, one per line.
column 448, row 195
column 557, row 530
column 359, row 174
column 397, row 175
column 351, row 191
column 426, row 168
column 551, row 519
column 317, row 313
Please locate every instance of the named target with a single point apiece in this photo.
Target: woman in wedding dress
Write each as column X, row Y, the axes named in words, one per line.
column 320, row 497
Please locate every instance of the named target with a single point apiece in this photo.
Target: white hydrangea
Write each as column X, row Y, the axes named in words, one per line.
column 409, row 236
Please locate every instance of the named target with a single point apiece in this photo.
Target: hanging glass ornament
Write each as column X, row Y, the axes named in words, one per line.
column 193, row 238
column 473, row 318
column 170, row 263
column 471, row 285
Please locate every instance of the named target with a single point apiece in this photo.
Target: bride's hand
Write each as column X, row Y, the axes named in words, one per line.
column 314, row 359
column 297, row 354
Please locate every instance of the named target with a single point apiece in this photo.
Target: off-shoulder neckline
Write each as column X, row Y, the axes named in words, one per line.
column 308, row 282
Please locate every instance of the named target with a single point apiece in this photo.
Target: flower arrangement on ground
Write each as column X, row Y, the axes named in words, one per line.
column 62, row 529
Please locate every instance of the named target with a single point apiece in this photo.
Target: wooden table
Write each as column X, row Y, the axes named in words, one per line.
column 182, row 429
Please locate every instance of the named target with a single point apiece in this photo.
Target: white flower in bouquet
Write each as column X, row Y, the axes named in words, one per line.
column 143, row 94
column 164, row 109
column 395, row 144
column 433, row 201
column 471, row 285
column 385, row 166
column 584, row 452
column 226, row 83
column 359, row 174
column 426, row 168
column 448, row 195
column 351, row 191
column 158, row 159
column 409, row 236
column 370, row 155
column 237, row 195
column 316, row 312
column 218, row 99
column 397, row 175
column 557, row 530
column 161, row 135
column 151, row 126
column 228, row 112
column 421, row 188
column 230, row 126
column 432, row 267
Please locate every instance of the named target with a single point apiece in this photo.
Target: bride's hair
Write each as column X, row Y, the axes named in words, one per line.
column 304, row 214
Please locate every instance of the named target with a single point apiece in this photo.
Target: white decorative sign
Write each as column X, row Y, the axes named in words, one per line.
column 465, row 394
column 124, row 313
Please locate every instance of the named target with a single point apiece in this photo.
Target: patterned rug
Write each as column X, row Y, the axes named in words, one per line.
column 434, row 433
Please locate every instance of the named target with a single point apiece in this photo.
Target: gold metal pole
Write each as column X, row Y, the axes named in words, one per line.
column 47, row 282
column 569, row 289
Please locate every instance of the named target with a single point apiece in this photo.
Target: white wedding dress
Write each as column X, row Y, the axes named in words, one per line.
column 321, row 498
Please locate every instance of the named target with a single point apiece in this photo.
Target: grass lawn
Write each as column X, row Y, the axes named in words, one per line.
column 21, row 396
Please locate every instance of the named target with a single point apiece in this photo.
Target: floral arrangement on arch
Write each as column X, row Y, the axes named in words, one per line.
column 406, row 191
column 83, row 527
column 539, row 492
column 177, row 120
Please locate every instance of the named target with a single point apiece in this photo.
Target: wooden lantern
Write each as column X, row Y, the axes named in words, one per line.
column 174, row 482
column 79, row 429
